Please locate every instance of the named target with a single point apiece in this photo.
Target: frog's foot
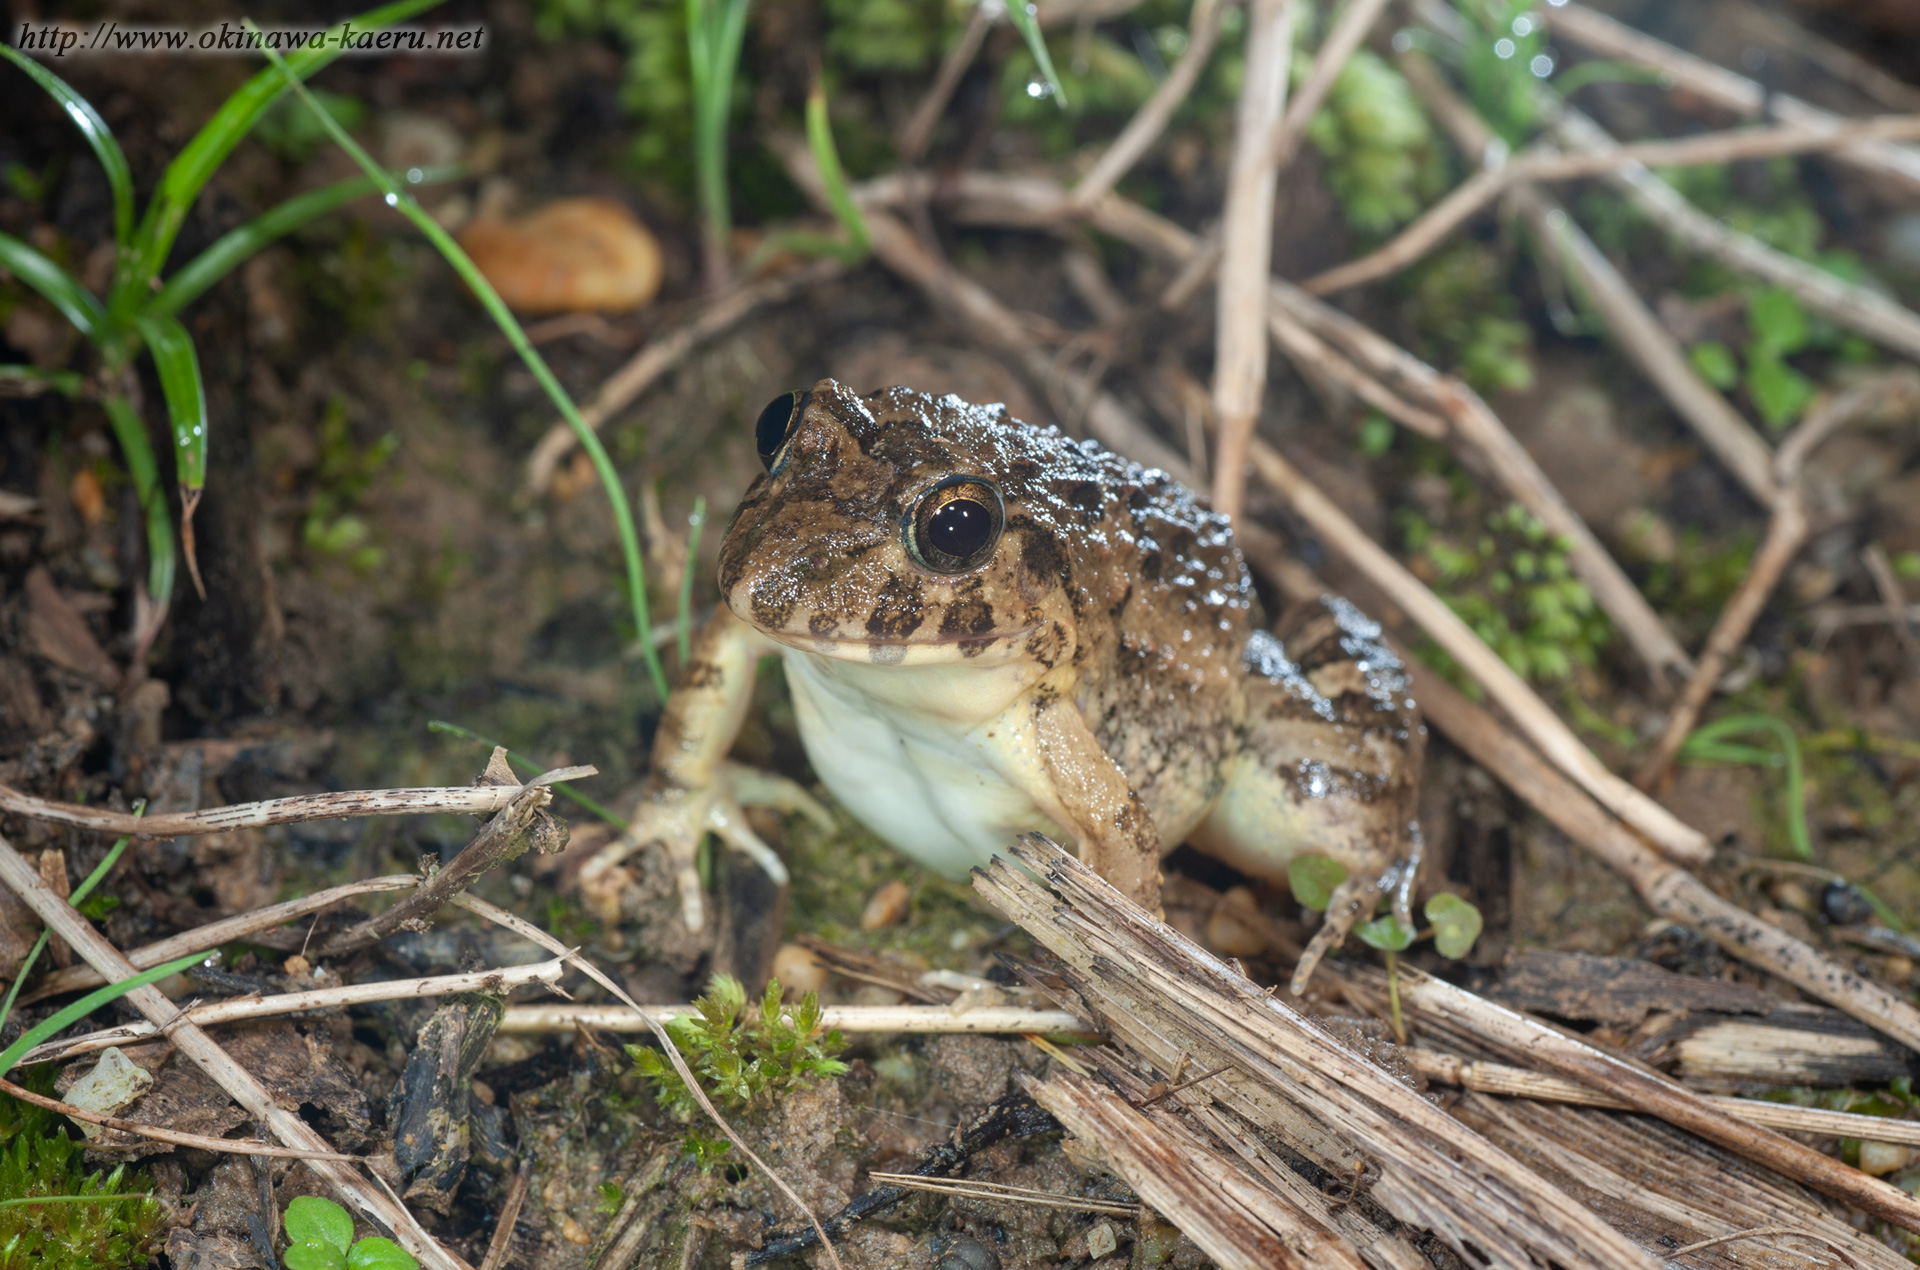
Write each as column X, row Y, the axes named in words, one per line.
column 678, row 818
column 1352, row 901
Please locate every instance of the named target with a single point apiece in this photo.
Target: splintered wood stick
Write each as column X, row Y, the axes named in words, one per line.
column 347, row 805
column 1246, row 250
column 237, row 1009
column 1786, row 533
column 1520, row 1082
column 1657, row 1096
column 929, row 1019
column 1203, row 32
column 200, row 1049
column 1600, row 34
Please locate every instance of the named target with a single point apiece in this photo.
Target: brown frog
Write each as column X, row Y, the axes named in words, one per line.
column 990, row 628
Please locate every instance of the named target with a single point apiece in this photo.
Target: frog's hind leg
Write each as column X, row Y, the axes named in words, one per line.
column 1329, row 764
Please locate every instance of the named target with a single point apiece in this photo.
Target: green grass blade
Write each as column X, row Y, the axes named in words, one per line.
column 60, row 1020
column 233, row 248
column 527, row 764
column 826, row 158
column 1027, row 23
column 714, row 32
column 131, row 433
column 39, row 271
column 95, row 130
column 179, row 367
column 195, row 165
column 79, row 893
column 1710, row 743
column 497, row 309
column 68, row 383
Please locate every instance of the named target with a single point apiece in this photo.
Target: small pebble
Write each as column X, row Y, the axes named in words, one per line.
column 1228, row 934
column 798, row 970
column 1877, row 1158
column 963, row 1252
column 1101, row 1240
column 888, row 907
column 576, row 255
column 1843, row 905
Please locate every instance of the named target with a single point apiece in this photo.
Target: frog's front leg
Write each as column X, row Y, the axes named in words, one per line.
column 692, row 789
column 1116, row 833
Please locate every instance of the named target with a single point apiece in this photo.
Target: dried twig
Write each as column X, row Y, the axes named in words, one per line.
column 918, row 130
column 502, row 1242
column 1603, row 35
column 213, row 1013
column 1355, row 21
column 1309, row 351
column 200, row 1141
column 1541, row 165
column 972, row 1189
column 847, row 1018
column 1638, row 331
column 526, row 930
column 1880, row 569
column 664, row 352
column 1520, row 1082
column 351, row 804
column 228, row 930
column 1765, row 1232
column 1657, row 1096
column 1786, row 532
column 1668, row 890
column 1125, row 150
column 199, row 1048
column 1881, row 319
column 1246, row 248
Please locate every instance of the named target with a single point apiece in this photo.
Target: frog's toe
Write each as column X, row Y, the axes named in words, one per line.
column 1351, row 900
column 730, row 822
column 752, row 787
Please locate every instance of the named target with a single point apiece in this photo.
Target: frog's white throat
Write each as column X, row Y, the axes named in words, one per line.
column 928, row 756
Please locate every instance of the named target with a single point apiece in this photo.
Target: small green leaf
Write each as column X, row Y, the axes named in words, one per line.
column 1314, row 879
column 179, row 367
column 1777, row 321
column 380, row 1254
column 1026, row 21
column 826, row 159
column 1779, row 391
column 314, row 1256
column 1376, row 435
column 1389, row 933
column 1714, row 362
column 312, row 1220
column 95, row 130
column 1456, row 924
column 38, row 271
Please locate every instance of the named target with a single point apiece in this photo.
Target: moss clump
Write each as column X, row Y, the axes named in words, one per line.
column 88, row 1220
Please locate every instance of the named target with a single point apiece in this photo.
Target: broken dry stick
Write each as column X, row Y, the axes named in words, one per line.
column 199, row 1048
column 199, row 1141
column 1657, row 1096
column 1519, row 1082
column 212, row 1013
column 1203, row 29
column 1008, row 1019
column 348, row 805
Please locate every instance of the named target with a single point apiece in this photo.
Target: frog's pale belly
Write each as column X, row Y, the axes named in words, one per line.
column 936, row 786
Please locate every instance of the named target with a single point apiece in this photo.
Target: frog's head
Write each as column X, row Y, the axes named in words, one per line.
column 895, row 529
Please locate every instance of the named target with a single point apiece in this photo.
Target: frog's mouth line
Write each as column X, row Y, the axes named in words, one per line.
column 876, row 650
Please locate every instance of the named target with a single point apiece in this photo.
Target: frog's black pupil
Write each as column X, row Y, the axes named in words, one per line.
column 960, row 527
column 774, row 422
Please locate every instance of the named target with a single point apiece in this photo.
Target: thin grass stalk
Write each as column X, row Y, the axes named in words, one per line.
column 683, row 619
column 714, row 31
column 497, row 309
column 79, row 893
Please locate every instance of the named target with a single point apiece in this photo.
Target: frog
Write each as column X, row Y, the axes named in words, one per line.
column 990, row 628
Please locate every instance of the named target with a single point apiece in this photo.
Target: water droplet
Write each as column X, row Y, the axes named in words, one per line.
column 393, row 200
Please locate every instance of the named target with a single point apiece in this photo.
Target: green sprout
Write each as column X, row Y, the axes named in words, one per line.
column 139, row 313
column 1376, row 140
column 320, row 1237
column 715, row 29
column 741, row 1053
column 1453, row 923
column 77, row 898
column 1709, row 744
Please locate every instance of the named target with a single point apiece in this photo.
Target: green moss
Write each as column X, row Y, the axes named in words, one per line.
column 742, row 1053
column 1468, row 319
column 1381, row 162
column 97, row 1220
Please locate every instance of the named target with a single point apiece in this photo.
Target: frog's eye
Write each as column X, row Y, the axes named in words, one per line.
column 955, row 525
column 776, row 424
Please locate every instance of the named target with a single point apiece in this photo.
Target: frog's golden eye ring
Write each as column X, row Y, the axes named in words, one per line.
column 956, row 525
column 776, row 424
